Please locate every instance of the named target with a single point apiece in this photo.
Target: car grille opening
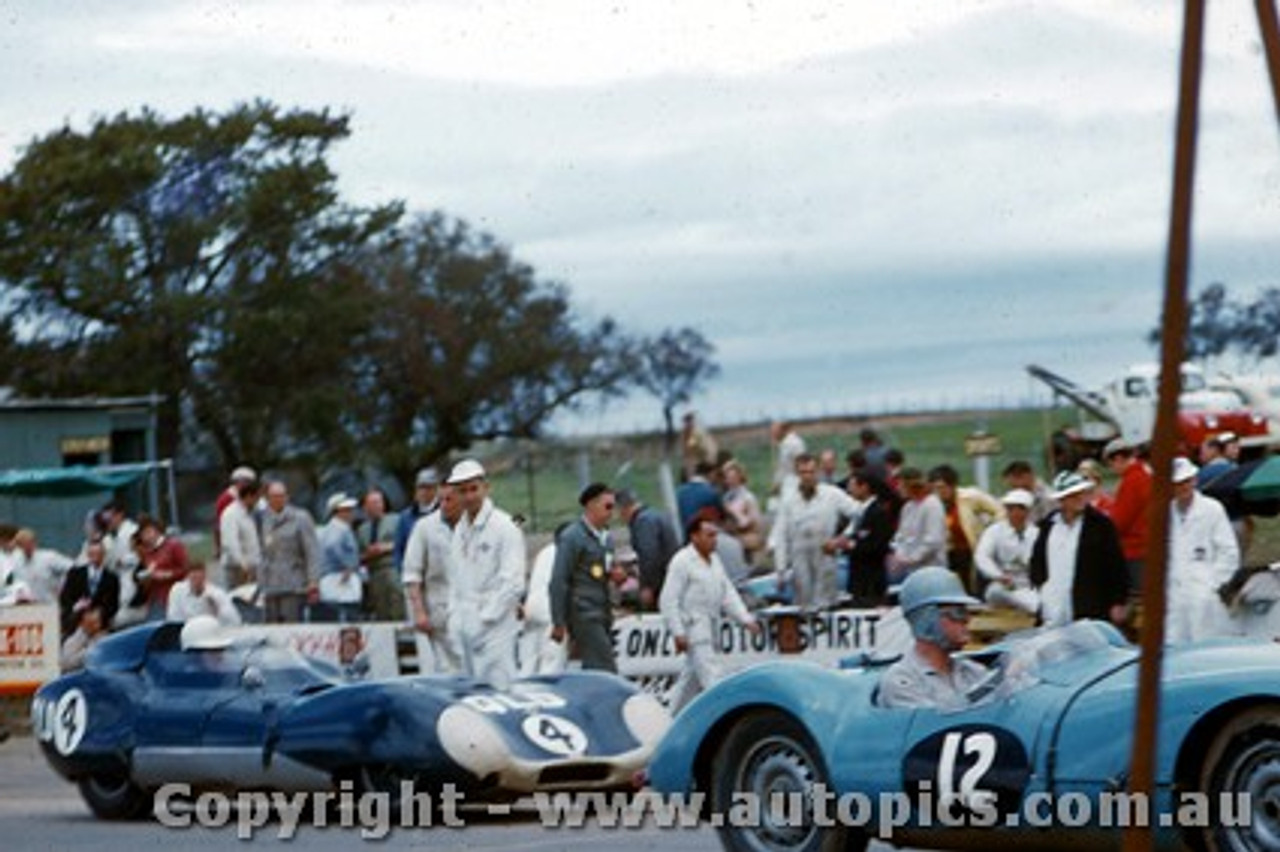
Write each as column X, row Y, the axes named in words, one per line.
column 574, row 773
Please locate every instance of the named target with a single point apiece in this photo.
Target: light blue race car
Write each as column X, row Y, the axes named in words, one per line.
column 790, row 756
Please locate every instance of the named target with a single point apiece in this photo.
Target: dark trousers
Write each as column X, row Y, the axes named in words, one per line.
column 593, row 640
column 961, row 564
column 868, row 583
column 284, row 607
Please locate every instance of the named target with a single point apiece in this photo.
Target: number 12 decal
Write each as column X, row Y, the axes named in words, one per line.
column 975, row 767
column 982, row 745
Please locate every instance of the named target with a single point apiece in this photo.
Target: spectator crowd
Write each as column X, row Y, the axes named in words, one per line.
column 455, row 567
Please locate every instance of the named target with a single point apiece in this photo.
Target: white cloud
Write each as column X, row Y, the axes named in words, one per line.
column 737, row 165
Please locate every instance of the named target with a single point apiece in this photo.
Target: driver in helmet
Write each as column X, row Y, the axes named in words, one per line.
column 937, row 608
column 204, row 633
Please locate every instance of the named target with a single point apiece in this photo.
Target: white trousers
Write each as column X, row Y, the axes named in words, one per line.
column 702, row 668
column 814, row 575
column 539, row 655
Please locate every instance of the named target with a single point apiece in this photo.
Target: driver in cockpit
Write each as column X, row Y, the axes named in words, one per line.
column 928, row 675
column 204, row 638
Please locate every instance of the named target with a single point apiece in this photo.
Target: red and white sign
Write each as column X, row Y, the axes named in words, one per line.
column 29, row 644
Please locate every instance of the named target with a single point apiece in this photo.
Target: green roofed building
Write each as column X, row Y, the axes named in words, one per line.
column 61, row 459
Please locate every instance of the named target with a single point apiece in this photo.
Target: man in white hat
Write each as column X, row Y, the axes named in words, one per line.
column 1214, row 460
column 1003, row 555
column 1203, row 555
column 341, row 576
column 240, row 476
column 488, row 584
column 1077, row 565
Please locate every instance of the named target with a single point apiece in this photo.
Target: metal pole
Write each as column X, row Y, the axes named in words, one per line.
column 1142, row 768
column 153, row 491
column 1270, row 27
column 529, row 485
column 173, row 494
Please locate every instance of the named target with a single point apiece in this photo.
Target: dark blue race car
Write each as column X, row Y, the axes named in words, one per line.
column 1038, row 759
column 254, row 715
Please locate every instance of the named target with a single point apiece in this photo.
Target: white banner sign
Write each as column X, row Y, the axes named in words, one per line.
column 646, row 649
column 29, row 646
column 341, row 644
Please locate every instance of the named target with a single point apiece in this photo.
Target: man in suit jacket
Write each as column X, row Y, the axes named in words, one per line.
column 384, row 594
column 1077, row 564
column 868, row 539
column 89, row 583
column 580, row 581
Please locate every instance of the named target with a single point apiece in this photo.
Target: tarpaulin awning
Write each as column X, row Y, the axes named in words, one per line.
column 1264, row 482
column 74, row 481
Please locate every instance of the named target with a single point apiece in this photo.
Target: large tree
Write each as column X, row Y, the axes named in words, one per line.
column 674, row 366
column 1218, row 323
column 207, row 259
column 468, row 344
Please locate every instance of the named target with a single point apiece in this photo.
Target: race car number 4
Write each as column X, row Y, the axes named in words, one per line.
column 70, row 719
column 555, row 734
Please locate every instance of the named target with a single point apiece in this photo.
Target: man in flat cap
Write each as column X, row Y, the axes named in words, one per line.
column 580, row 604
column 426, row 499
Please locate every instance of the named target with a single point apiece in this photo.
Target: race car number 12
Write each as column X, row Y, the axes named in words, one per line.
column 980, row 744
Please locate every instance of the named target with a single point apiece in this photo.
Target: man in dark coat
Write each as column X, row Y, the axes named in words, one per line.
column 1077, row 564
column 579, row 592
column 654, row 539
column 89, row 583
column 867, row 542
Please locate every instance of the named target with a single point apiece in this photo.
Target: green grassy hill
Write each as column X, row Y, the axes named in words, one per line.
column 541, row 481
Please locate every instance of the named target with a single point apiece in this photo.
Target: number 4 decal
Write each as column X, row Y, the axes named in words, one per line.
column 555, row 734
column 70, row 718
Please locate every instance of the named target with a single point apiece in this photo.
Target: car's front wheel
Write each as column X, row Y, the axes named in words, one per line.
column 1241, row 775
column 111, row 795
column 762, row 785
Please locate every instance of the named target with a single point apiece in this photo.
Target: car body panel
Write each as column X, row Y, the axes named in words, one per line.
column 1062, row 726
column 258, row 715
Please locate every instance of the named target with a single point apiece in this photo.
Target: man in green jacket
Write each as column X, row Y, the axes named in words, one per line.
column 580, row 581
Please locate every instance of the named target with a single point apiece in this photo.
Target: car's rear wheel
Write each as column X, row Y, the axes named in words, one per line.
column 111, row 795
column 385, row 778
column 765, row 771
column 1244, row 761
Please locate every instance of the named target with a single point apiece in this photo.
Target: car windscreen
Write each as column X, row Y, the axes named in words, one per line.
column 1030, row 657
column 284, row 669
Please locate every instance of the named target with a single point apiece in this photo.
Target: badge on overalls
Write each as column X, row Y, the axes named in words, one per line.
column 597, row 571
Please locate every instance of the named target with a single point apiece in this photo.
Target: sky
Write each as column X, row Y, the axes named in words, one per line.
column 863, row 205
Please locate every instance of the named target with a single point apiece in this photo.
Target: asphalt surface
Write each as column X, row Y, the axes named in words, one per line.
column 41, row 811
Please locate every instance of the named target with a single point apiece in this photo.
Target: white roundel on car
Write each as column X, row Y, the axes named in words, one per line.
column 70, row 718
column 555, row 734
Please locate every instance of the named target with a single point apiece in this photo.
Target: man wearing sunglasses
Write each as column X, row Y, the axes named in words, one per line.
column 937, row 608
column 579, row 592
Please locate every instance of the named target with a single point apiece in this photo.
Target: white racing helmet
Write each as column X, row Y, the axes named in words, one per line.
column 203, row 633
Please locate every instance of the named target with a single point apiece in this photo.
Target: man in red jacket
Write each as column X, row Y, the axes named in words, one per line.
column 1129, row 514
